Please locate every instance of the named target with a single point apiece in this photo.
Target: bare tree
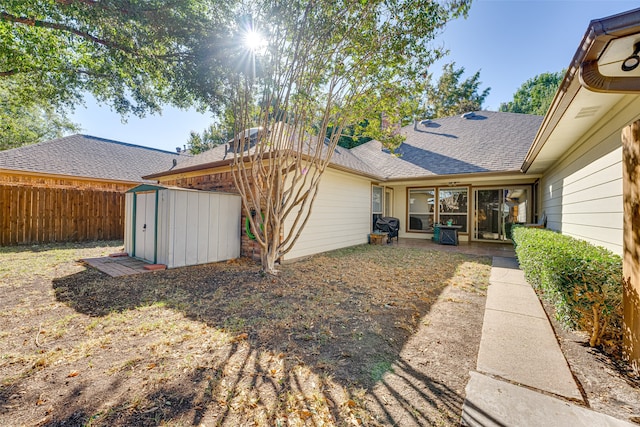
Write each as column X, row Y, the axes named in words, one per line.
column 325, row 64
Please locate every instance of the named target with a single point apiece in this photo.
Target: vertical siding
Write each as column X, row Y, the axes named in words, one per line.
column 206, row 212
column 582, row 194
column 163, row 226
column 195, row 227
column 340, row 215
column 179, row 222
column 228, row 226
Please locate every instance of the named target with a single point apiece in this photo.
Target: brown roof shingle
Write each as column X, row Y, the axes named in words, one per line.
column 89, row 157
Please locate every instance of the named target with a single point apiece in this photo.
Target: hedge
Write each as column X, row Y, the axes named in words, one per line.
column 582, row 281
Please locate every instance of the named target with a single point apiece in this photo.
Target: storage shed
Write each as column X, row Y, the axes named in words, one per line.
column 179, row 227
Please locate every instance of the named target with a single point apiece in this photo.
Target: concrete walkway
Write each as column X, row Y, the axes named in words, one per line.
column 522, row 377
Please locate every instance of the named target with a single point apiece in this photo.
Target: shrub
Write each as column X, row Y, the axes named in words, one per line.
column 582, row 281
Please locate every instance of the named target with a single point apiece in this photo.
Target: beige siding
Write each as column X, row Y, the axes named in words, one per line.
column 582, row 194
column 341, row 215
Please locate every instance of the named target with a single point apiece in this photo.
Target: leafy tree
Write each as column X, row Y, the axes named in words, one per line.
column 349, row 138
column 327, row 64
column 451, row 95
column 535, row 95
column 134, row 55
column 211, row 137
column 25, row 122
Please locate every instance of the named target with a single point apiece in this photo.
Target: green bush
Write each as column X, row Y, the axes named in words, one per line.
column 582, row 281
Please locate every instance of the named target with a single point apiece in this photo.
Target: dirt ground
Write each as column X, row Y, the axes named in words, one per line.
column 364, row 336
column 372, row 335
column 608, row 385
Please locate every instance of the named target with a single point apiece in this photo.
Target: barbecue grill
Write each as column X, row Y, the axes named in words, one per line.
column 388, row 225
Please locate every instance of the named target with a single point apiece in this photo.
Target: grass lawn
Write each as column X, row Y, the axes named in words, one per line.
column 371, row 335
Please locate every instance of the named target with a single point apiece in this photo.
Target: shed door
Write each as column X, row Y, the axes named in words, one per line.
column 145, row 244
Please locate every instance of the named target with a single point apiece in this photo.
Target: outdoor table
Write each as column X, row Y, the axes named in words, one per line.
column 449, row 234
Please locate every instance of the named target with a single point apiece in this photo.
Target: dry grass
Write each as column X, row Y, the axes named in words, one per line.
column 223, row 344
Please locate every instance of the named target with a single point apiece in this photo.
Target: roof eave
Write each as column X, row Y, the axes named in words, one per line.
column 464, row 176
column 227, row 162
column 63, row 176
column 598, row 35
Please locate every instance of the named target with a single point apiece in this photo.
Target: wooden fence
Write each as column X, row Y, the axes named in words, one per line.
column 31, row 215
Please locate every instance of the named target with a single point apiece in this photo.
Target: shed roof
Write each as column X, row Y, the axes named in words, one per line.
column 88, row 157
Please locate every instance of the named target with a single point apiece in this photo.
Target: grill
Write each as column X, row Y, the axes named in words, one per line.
column 388, row 225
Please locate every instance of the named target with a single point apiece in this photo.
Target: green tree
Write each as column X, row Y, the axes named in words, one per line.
column 535, row 95
column 211, row 137
column 134, row 55
column 451, row 95
column 327, row 65
column 25, row 122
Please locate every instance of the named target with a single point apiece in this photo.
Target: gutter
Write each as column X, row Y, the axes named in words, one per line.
column 228, row 162
column 584, row 66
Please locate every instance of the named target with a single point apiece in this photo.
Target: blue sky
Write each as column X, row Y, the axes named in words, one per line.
column 509, row 41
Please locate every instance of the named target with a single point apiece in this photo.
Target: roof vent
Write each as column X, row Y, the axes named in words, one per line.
column 469, row 115
column 587, row 112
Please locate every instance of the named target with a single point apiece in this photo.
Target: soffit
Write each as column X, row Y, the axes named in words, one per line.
column 588, row 110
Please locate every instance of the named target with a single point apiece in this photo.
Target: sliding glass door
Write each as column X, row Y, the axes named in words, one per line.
column 497, row 210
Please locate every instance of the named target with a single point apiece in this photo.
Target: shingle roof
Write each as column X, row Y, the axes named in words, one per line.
column 90, row 157
column 488, row 141
column 341, row 157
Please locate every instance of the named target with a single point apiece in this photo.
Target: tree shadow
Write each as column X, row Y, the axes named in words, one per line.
column 437, row 163
column 320, row 339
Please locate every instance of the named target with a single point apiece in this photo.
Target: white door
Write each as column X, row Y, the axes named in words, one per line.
column 145, row 238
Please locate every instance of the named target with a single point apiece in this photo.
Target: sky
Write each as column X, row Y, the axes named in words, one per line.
column 508, row 41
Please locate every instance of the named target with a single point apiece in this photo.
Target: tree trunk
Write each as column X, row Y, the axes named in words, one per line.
column 595, row 330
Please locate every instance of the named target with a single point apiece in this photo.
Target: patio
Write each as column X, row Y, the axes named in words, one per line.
column 470, row 248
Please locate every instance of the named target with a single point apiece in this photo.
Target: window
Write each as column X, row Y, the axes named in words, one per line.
column 376, row 204
column 453, row 206
column 428, row 206
column 421, row 209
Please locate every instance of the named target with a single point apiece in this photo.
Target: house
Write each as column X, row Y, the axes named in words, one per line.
column 589, row 185
column 464, row 168
column 71, row 188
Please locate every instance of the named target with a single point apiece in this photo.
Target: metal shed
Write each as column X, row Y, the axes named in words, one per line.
column 179, row 227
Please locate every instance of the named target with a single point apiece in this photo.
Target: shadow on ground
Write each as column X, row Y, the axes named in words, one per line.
column 322, row 342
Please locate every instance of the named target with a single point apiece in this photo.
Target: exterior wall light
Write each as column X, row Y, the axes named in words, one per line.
column 632, row 62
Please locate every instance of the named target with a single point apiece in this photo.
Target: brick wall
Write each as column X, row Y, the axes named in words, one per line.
column 222, row 182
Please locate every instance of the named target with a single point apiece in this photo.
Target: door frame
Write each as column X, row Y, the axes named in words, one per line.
column 134, row 226
column 500, row 188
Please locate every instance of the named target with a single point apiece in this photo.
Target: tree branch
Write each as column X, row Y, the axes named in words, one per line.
column 61, row 27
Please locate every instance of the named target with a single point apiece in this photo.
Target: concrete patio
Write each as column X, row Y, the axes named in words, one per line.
column 491, row 249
